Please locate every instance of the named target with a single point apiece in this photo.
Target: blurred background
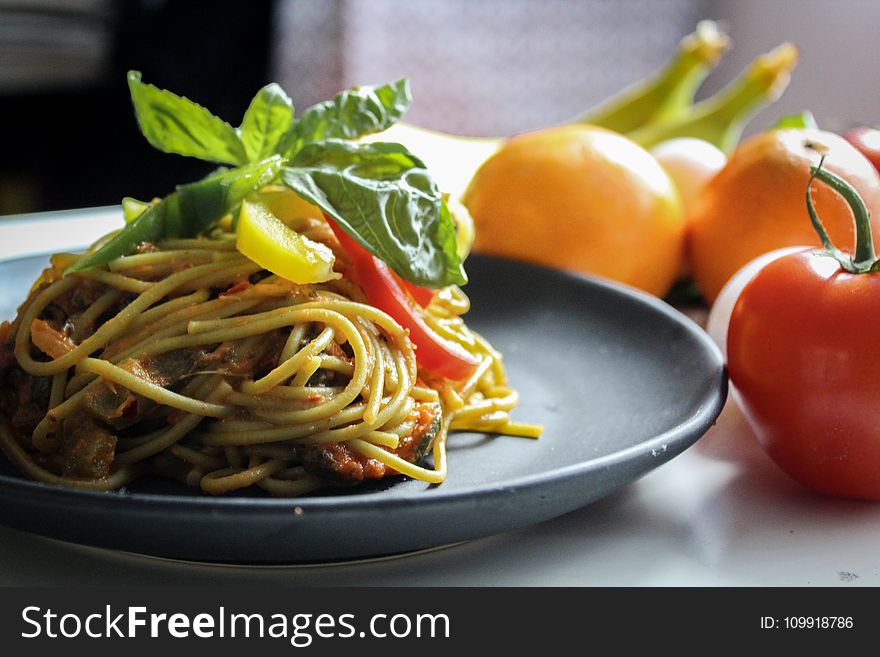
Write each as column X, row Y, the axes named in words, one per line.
column 492, row 67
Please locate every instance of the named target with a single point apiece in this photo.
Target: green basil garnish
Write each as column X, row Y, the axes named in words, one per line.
column 351, row 114
column 174, row 124
column 379, row 193
column 266, row 121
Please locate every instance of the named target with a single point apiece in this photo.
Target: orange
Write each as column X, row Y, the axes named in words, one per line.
column 581, row 198
column 756, row 203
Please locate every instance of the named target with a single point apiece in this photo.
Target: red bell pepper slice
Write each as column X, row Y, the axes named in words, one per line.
column 421, row 295
column 385, row 291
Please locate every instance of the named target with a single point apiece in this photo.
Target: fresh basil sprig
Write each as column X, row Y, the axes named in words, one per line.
column 380, row 193
column 350, row 114
column 268, row 118
column 174, row 124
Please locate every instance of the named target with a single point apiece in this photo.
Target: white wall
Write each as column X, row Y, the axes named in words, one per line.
column 492, row 67
column 505, row 66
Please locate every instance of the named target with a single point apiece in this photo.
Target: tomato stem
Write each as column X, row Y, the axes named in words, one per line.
column 865, row 260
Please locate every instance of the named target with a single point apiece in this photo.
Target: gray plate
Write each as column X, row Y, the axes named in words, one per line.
column 621, row 382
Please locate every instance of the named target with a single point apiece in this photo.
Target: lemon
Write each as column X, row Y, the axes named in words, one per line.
column 581, row 198
column 264, row 238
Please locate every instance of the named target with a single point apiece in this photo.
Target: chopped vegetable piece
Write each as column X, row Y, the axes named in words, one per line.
column 435, row 354
column 132, row 208
column 263, row 238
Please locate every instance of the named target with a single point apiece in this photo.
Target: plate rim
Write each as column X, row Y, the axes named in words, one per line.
column 679, row 437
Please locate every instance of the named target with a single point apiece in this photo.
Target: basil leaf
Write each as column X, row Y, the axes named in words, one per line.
column 190, row 210
column 382, row 195
column 351, row 114
column 266, row 120
column 174, row 124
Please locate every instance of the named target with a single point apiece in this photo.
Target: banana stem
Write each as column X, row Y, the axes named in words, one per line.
column 668, row 94
column 720, row 120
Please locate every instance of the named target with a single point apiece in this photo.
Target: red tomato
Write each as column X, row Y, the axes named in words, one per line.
column 803, row 349
column 867, row 141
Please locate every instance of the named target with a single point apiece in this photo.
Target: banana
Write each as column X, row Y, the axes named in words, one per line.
column 669, row 94
column 721, row 118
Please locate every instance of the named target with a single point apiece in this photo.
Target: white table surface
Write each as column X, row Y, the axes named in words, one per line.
column 720, row 514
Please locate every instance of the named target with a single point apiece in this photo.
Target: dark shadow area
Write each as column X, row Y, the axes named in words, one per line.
column 77, row 144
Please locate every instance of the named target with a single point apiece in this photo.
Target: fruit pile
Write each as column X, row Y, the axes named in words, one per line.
column 651, row 188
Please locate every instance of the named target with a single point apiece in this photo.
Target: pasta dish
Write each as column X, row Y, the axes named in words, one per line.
column 257, row 328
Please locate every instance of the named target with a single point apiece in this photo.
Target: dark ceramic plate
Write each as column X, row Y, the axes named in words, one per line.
column 621, row 382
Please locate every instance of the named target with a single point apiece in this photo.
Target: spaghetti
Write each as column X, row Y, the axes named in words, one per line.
column 188, row 360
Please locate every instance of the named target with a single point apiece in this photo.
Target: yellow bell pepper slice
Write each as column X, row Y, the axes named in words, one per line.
column 264, row 238
column 287, row 205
